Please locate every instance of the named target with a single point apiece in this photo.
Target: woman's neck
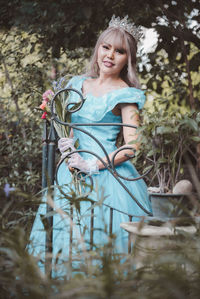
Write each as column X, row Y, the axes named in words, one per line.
column 105, row 79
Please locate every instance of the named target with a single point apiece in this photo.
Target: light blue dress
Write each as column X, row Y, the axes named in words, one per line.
column 106, row 188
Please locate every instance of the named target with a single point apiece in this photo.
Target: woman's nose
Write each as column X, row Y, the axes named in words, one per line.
column 110, row 54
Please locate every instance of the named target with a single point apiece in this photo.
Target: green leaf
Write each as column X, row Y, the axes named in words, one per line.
column 162, row 160
column 151, row 153
column 147, row 168
column 164, row 129
column 191, row 123
column 195, row 138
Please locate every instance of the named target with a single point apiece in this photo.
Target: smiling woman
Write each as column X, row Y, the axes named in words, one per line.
column 124, row 44
column 112, row 96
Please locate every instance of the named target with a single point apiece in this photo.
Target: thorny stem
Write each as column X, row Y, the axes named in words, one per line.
column 169, row 178
column 157, row 171
column 162, row 171
column 179, row 162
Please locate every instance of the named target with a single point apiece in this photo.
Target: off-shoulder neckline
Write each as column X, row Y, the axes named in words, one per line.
column 89, row 94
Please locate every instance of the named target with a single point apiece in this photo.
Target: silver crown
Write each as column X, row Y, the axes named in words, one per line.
column 124, row 23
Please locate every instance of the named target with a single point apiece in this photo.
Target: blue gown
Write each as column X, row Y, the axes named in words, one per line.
column 106, row 188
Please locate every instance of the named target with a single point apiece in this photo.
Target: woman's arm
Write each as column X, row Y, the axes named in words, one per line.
column 130, row 116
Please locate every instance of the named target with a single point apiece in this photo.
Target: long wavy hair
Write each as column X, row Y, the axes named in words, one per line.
column 121, row 39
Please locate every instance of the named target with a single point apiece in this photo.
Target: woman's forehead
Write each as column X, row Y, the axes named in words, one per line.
column 115, row 40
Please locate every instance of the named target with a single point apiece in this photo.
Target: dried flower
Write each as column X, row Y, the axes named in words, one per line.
column 43, row 105
column 8, row 189
column 59, row 107
column 47, row 95
column 60, row 84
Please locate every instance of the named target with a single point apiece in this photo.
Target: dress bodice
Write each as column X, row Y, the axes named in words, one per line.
column 98, row 110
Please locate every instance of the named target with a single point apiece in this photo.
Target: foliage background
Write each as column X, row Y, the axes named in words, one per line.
column 43, row 40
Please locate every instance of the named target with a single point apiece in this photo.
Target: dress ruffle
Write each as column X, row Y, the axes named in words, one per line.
column 106, row 102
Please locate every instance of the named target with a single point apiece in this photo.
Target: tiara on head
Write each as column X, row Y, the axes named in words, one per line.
column 124, row 23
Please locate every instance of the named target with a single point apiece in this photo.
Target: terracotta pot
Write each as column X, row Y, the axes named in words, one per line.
column 169, row 205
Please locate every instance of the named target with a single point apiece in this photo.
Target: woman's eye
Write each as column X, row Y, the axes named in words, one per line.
column 105, row 47
column 120, row 51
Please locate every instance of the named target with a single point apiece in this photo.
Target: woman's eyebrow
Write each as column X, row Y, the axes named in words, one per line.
column 115, row 46
column 107, row 44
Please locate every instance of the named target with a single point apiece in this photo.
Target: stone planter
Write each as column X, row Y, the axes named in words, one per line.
column 146, row 241
column 166, row 206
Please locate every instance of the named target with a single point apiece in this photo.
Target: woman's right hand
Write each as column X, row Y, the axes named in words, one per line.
column 64, row 144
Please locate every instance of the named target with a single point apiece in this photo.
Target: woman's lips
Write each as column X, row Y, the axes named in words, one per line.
column 108, row 63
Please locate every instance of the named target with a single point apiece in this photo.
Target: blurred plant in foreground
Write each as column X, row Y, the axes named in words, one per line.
column 166, row 272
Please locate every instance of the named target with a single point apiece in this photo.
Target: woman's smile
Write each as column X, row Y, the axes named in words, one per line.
column 108, row 63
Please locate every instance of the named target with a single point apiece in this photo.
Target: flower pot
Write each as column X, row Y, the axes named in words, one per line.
column 166, row 206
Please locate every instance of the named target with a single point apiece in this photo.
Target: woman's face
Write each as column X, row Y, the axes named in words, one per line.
column 111, row 58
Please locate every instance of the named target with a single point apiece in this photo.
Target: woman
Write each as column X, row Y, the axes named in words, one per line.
column 112, row 96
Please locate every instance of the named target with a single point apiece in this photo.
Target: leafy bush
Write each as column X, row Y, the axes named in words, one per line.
column 21, row 154
column 26, row 71
column 165, row 137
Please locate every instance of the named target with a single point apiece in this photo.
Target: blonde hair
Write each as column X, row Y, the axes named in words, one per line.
column 121, row 38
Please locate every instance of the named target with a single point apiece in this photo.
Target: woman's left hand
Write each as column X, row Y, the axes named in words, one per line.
column 88, row 166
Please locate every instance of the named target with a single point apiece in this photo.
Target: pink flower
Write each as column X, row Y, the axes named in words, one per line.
column 43, row 105
column 44, row 115
column 47, row 95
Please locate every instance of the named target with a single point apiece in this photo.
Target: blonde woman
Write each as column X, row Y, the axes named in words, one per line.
column 113, row 95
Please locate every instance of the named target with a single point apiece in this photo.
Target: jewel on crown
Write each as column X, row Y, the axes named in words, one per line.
column 124, row 23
